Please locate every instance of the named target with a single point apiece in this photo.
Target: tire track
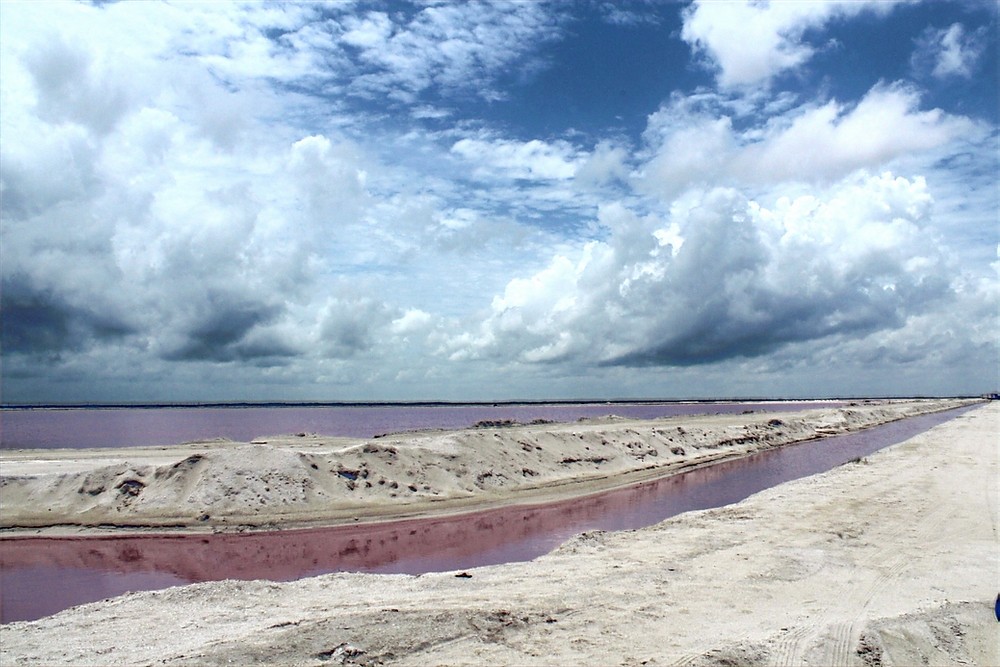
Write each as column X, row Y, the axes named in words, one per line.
column 828, row 638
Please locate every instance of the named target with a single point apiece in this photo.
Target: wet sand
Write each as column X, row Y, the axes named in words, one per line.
column 890, row 560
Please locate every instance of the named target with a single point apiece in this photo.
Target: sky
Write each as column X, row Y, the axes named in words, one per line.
column 420, row 200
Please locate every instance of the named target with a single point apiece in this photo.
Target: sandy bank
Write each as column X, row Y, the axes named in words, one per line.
column 289, row 481
column 892, row 560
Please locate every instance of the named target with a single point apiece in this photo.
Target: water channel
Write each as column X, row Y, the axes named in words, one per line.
column 41, row 576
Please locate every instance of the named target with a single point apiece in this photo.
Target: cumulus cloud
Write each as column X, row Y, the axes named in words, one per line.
column 808, row 143
column 69, row 87
column 190, row 194
column 950, row 51
column 725, row 277
column 191, row 225
column 750, row 42
column 413, row 320
column 129, row 219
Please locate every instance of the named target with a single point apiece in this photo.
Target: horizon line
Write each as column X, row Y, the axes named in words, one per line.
column 447, row 403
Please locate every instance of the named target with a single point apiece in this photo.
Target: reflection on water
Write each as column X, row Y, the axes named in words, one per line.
column 39, row 577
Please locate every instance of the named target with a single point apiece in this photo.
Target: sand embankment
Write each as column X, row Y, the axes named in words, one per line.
column 289, row 481
column 887, row 561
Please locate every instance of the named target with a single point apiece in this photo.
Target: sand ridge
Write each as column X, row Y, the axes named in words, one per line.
column 890, row 560
column 291, row 481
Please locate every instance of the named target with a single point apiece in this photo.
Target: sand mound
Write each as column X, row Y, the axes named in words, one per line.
column 301, row 480
column 236, row 481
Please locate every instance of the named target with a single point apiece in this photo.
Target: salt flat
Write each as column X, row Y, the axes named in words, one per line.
column 891, row 560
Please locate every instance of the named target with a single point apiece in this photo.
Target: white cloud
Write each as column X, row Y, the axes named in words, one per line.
column 186, row 197
column 174, row 213
column 368, row 32
column 628, row 14
column 160, row 214
column 725, row 277
column 832, row 140
column 449, row 47
column 950, row 51
column 750, row 42
column 607, row 163
column 805, row 144
column 69, row 88
column 529, row 160
column 413, row 320
column 428, row 111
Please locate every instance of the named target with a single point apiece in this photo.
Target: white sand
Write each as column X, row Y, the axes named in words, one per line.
column 893, row 560
column 289, row 481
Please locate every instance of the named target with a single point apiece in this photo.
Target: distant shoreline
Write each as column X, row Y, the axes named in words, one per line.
column 443, row 403
column 83, row 427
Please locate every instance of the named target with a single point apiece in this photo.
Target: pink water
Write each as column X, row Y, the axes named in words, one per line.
column 39, row 577
column 46, row 428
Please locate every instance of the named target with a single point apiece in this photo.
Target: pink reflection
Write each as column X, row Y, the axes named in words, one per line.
column 43, row 575
column 292, row 554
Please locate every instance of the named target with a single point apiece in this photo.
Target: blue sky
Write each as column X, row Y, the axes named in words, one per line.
column 497, row 200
